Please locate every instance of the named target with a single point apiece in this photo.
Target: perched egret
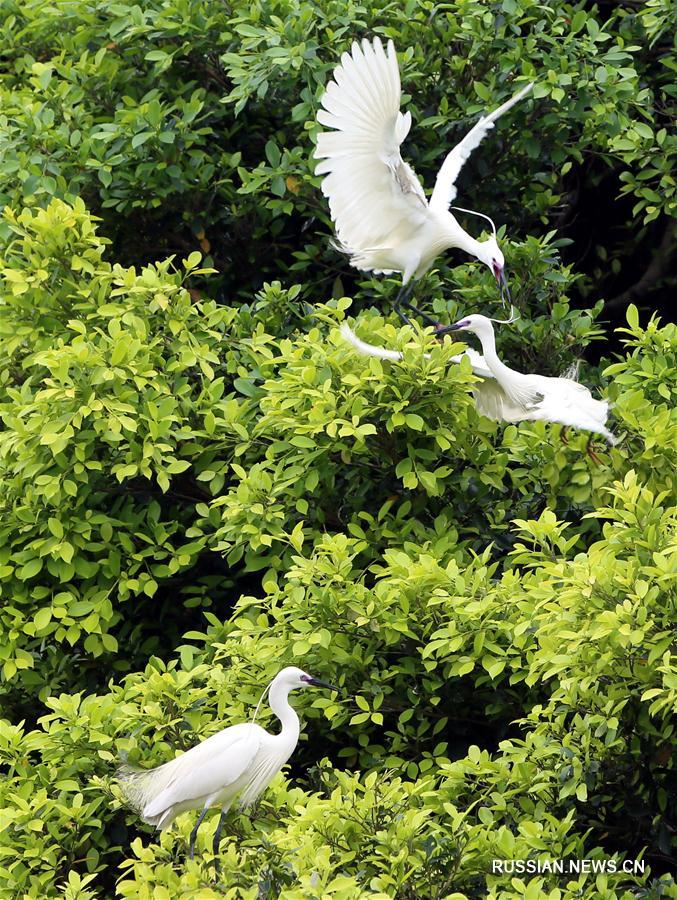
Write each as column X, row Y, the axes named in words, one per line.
column 383, row 220
column 509, row 396
column 239, row 761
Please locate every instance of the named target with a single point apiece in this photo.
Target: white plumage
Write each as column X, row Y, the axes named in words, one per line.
column 509, row 396
column 238, row 762
column 209, row 774
column 382, row 217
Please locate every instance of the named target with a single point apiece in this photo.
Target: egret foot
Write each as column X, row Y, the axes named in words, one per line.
column 429, row 320
column 405, row 318
column 402, row 299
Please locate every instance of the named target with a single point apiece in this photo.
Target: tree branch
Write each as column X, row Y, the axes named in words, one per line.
column 657, row 269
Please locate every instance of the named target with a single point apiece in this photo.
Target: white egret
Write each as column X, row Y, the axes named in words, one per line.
column 383, row 220
column 477, row 361
column 239, row 761
column 509, row 396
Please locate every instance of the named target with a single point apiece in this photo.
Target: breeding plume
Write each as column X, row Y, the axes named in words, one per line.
column 237, row 762
column 509, row 396
column 383, row 220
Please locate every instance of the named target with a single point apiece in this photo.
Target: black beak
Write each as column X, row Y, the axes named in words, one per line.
column 445, row 329
column 323, row 684
column 506, row 299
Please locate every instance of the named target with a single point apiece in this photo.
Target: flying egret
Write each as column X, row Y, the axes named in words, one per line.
column 240, row 760
column 509, row 396
column 384, row 222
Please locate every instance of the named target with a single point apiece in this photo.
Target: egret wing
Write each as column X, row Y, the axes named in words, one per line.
column 572, row 388
column 369, row 186
column 207, row 768
column 367, row 349
column 477, row 361
column 493, row 402
column 572, row 404
column 445, row 185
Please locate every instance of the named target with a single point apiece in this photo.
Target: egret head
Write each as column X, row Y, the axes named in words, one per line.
column 491, row 255
column 475, row 323
column 292, row 677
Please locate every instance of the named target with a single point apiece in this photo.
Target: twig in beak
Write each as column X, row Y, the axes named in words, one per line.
column 504, row 288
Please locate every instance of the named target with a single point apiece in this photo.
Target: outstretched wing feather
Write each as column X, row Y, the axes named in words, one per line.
column 493, row 402
column 367, row 183
column 445, row 185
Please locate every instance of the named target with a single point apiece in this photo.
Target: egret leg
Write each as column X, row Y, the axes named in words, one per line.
column 217, row 841
column 193, row 834
column 564, row 435
column 402, row 300
column 430, row 320
column 589, row 449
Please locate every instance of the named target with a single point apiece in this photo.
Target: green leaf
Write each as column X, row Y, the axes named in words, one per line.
column 42, row 618
column 139, row 139
column 30, row 570
column 193, row 261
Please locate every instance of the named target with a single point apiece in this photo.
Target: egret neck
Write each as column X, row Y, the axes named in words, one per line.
column 500, row 371
column 459, row 237
column 278, row 699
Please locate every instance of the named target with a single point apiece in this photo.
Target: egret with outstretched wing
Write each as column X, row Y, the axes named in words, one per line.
column 506, row 395
column 384, row 222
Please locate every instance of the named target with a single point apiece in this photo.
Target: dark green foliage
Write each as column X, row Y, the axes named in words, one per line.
column 200, row 481
column 190, row 123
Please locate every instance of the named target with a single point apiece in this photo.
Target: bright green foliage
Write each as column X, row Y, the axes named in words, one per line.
column 201, row 482
column 141, row 434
